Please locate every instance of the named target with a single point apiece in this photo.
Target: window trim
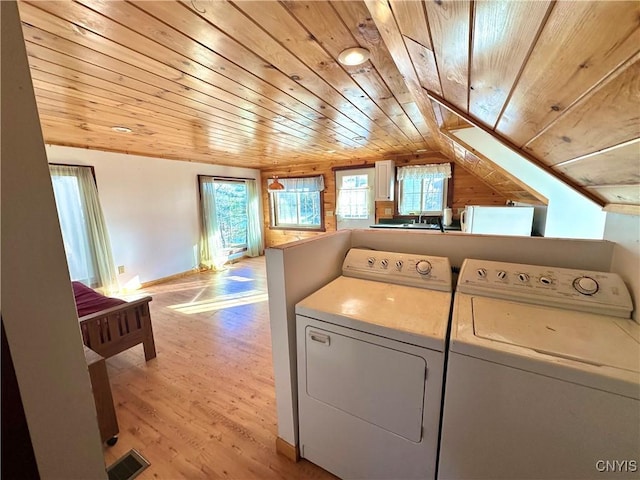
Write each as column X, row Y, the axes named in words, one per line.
column 298, row 228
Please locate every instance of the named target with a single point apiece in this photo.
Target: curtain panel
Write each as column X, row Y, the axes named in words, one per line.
column 84, row 229
column 418, row 172
column 212, row 253
column 301, row 184
column 255, row 242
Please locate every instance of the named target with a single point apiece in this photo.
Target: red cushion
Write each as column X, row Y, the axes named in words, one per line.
column 89, row 301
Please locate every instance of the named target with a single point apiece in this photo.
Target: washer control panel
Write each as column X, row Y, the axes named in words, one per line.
column 414, row 270
column 589, row 291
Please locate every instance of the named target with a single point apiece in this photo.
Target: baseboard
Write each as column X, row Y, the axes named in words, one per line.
column 288, row 450
column 166, row 279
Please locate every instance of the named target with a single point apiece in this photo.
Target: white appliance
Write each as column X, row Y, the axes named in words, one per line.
column 497, row 220
column 543, row 376
column 371, row 348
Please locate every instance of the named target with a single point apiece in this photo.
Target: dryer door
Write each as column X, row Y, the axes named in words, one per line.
column 378, row 384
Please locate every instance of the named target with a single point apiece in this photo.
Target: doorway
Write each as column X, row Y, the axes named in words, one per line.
column 355, row 206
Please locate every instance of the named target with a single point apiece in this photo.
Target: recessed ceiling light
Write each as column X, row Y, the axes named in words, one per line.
column 358, row 139
column 421, row 150
column 121, row 129
column 353, row 56
column 331, row 151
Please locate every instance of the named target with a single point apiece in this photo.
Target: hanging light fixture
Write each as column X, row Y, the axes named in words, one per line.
column 275, row 185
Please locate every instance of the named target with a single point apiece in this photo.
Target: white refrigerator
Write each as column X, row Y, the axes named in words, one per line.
column 497, row 220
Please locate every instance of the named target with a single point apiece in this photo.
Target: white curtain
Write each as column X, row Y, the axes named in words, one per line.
column 301, row 184
column 255, row 243
column 420, row 172
column 84, row 229
column 212, row 254
column 354, row 202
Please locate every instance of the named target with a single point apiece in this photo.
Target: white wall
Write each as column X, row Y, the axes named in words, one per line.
column 569, row 214
column 295, row 270
column 150, row 206
column 38, row 310
column 625, row 231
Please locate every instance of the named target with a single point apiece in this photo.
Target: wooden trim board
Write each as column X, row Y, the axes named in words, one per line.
column 288, row 450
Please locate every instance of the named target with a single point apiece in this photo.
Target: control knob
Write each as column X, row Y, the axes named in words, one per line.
column 546, row 280
column 384, row 263
column 585, row 285
column 482, row 272
column 423, row 267
column 501, row 274
column 399, row 264
column 523, row 277
column 371, row 261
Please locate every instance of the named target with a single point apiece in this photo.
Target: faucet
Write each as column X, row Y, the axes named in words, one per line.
column 420, row 218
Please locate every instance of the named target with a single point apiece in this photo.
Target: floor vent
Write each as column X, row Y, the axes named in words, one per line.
column 128, row 466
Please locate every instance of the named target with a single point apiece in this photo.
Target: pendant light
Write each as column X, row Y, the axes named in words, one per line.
column 275, row 186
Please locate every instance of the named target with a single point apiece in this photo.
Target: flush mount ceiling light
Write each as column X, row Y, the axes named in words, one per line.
column 121, row 129
column 353, row 56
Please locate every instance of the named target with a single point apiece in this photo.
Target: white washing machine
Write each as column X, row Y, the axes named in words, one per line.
column 543, row 376
column 371, row 348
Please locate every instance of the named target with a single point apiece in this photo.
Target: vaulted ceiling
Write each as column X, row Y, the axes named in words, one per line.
column 252, row 83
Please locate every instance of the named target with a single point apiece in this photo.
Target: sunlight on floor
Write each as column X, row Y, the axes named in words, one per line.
column 221, row 301
column 238, row 278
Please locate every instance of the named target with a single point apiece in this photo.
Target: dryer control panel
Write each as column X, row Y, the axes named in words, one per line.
column 414, row 270
column 582, row 290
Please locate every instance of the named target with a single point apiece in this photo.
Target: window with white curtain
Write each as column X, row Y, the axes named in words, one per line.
column 230, row 219
column 299, row 205
column 423, row 189
column 84, row 231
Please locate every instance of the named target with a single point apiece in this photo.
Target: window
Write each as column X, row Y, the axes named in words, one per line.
column 353, row 197
column 299, row 205
column 230, row 220
column 423, row 189
column 84, row 231
column 231, row 203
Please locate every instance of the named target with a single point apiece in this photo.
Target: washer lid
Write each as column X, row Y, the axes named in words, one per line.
column 593, row 339
column 407, row 314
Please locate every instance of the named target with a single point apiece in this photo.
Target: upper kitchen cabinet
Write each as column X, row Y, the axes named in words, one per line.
column 385, row 180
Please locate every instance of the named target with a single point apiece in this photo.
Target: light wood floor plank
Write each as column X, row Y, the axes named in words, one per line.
column 205, row 407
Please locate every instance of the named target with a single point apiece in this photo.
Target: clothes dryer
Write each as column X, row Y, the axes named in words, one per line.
column 371, row 348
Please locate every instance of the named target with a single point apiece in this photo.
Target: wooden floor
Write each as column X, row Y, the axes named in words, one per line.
column 205, row 407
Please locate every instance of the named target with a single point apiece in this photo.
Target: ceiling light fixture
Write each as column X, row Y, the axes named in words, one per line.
column 275, row 185
column 121, row 129
column 353, row 56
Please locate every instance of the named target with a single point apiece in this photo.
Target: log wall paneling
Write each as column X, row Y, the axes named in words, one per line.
column 467, row 190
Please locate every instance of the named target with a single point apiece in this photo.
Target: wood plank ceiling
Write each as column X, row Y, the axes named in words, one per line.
column 257, row 83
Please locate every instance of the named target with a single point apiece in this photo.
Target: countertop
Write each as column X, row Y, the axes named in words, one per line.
column 415, row 226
